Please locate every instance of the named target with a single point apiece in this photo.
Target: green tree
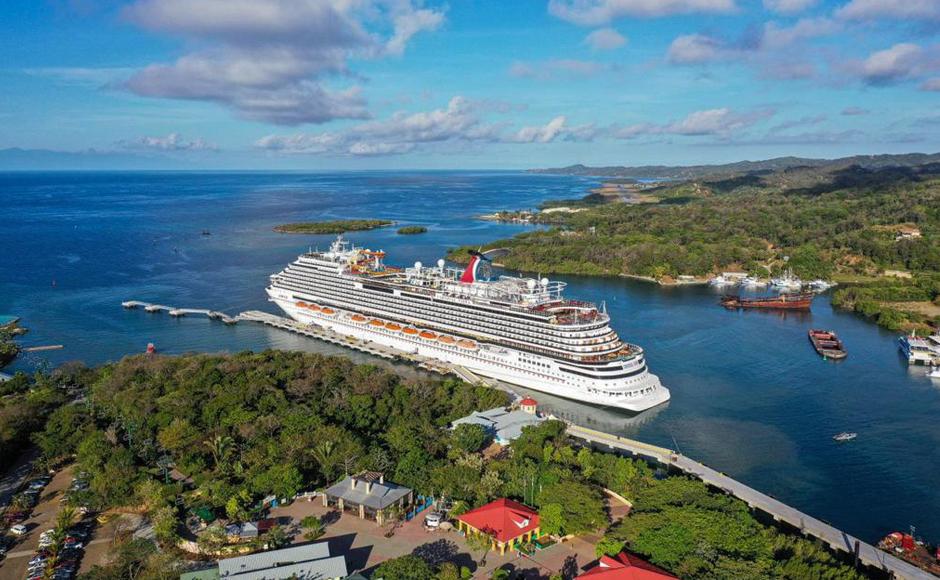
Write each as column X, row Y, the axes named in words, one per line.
column 276, row 538
column 313, row 527
column 408, row 567
column 212, row 539
column 582, row 507
column 481, row 543
column 469, row 437
column 608, row 546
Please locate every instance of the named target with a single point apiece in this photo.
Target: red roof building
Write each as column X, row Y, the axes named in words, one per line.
column 508, row 522
column 625, row 566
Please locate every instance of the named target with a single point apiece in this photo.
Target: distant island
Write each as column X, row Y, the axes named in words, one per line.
column 739, row 167
column 332, row 226
column 411, row 230
column 867, row 223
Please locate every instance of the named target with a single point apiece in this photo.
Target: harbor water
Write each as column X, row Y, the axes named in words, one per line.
column 750, row 397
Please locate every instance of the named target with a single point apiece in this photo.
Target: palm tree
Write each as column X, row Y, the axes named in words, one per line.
column 325, row 454
column 221, row 447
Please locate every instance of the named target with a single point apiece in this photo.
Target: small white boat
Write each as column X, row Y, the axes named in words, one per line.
column 753, row 282
column 933, row 372
column 721, row 281
column 787, row 282
column 820, row 285
column 845, row 436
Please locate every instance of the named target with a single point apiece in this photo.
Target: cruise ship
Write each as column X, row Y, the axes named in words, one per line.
column 522, row 331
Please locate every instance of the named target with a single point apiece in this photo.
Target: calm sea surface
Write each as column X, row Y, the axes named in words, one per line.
column 749, row 395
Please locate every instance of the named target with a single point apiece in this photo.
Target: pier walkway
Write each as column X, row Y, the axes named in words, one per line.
column 173, row 311
column 837, row 539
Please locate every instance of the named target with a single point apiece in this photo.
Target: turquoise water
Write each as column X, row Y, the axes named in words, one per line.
column 750, row 396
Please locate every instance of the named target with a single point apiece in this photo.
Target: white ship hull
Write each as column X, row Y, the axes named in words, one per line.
column 497, row 362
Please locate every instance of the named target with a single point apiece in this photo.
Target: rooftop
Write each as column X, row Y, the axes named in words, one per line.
column 369, row 489
column 625, row 566
column 504, row 519
column 307, row 561
column 502, row 424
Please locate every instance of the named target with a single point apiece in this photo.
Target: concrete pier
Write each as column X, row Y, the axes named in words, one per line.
column 806, row 524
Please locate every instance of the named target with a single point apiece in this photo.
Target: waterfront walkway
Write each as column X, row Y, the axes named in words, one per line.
column 837, row 539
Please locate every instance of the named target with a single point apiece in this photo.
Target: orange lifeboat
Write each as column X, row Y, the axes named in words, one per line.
column 328, row 311
column 314, row 307
column 467, row 344
column 446, row 339
column 376, row 322
column 393, row 327
column 428, row 335
column 301, row 305
column 410, row 331
column 358, row 318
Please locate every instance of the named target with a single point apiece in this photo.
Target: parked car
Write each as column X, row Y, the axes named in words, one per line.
column 433, row 519
column 18, row 530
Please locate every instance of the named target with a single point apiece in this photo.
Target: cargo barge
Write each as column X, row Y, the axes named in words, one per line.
column 800, row 301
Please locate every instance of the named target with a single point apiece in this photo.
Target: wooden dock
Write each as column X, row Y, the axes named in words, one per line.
column 808, row 525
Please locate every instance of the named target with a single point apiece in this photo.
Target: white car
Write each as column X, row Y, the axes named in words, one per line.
column 433, row 519
column 18, row 530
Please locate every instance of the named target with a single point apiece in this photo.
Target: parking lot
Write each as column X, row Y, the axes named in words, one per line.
column 26, row 546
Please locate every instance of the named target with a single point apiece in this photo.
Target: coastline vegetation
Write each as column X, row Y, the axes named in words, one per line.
column 332, row 226
column 411, row 230
column 236, row 428
column 827, row 224
column 8, row 348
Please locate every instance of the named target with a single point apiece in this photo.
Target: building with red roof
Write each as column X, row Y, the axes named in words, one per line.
column 508, row 522
column 625, row 566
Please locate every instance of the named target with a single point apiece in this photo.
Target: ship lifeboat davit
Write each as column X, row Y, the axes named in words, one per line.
column 358, row 318
column 428, row 335
column 467, row 344
column 328, row 311
column 410, row 331
column 376, row 322
column 393, row 327
column 446, row 339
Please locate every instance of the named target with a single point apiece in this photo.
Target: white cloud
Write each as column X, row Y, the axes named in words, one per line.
column 697, row 49
column 605, row 39
column 891, row 9
column 716, row 122
column 854, row 111
column 776, row 37
column 267, row 60
column 931, row 85
column 721, row 123
column 540, row 134
column 551, row 69
column 172, row 142
column 901, row 61
column 788, row 6
column 599, row 12
column 460, row 125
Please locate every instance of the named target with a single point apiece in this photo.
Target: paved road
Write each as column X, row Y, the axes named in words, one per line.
column 809, row 525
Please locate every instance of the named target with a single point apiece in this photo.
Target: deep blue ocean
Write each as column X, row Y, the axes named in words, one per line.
column 749, row 395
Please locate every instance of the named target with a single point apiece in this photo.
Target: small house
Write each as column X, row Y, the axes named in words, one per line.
column 368, row 495
column 509, row 523
column 625, row 566
column 505, row 426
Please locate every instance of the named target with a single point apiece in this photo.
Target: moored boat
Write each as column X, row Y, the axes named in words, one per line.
column 783, row 301
column 827, row 344
column 845, row 436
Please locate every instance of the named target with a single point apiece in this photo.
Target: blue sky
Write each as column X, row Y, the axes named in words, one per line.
column 350, row 84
